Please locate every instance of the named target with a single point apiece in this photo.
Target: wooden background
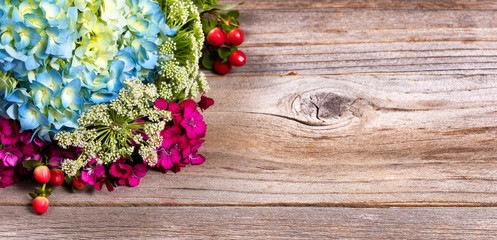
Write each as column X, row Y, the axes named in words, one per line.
column 372, row 119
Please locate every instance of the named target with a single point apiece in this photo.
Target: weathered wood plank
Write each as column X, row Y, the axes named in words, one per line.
column 343, row 37
column 248, row 223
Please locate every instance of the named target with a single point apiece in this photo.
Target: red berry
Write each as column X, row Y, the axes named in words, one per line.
column 40, row 204
column 226, row 40
column 57, row 177
column 42, row 174
column 222, row 68
column 78, row 183
column 238, row 58
column 235, row 36
column 215, row 37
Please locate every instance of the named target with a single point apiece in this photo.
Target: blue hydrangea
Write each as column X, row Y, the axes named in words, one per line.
column 62, row 58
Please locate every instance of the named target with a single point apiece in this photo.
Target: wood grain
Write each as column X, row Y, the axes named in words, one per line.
column 249, row 223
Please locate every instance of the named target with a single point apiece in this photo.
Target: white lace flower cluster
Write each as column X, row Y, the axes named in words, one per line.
column 179, row 56
column 110, row 131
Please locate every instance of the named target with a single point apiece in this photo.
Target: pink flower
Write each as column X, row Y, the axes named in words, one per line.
column 98, row 185
column 193, row 123
column 205, row 102
column 10, row 156
column 139, row 171
column 190, row 156
column 128, row 174
column 7, row 176
column 9, row 131
column 120, row 170
column 188, row 103
column 175, row 111
column 167, row 158
column 92, row 175
column 170, row 136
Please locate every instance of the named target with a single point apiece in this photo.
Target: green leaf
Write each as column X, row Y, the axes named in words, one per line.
column 235, row 14
column 208, row 61
column 48, row 192
column 74, row 189
column 205, row 25
column 222, row 7
column 212, row 23
column 33, row 195
column 30, row 164
column 233, row 47
column 54, row 162
column 224, row 53
column 227, row 27
column 38, row 191
column 68, row 179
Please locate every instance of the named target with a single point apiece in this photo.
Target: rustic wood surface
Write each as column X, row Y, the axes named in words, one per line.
column 352, row 119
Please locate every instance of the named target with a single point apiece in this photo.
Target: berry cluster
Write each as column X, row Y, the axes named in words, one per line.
column 223, row 29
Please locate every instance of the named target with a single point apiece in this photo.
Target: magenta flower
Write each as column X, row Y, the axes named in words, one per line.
column 9, row 131
column 190, row 156
column 121, row 171
column 175, row 111
column 92, row 175
column 193, row 123
column 188, row 103
column 7, row 176
column 205, row 102
column 10, row 156
column 170, row 136
column 139, row 171
column 126, row 173
column 98, row 185
column 167, row 158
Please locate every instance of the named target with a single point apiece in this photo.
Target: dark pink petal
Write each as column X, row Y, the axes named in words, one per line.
column 98, row 185
column 26, row 137
column 188, row 104
column 174, row 108
column 5, row 127
column 99, row 171
column 30, row 149
column 161, row 104
column 9, row 140
column 133, row 181
column 109, row 185
column 122, row 181
column 7, row 177
column 197, row 159
column 120, row 170
column 205, row 102
column 140, row 170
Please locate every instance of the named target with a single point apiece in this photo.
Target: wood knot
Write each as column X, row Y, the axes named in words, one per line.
column 322, row 107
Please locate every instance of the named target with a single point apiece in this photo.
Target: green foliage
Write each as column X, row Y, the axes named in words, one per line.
column 31, row 164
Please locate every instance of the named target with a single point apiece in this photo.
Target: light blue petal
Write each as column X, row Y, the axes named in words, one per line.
column 30, row 117
column 18, row 96
column 32, row 64
column 98, row 98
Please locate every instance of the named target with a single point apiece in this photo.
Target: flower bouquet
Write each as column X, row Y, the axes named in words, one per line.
column 97, row 92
